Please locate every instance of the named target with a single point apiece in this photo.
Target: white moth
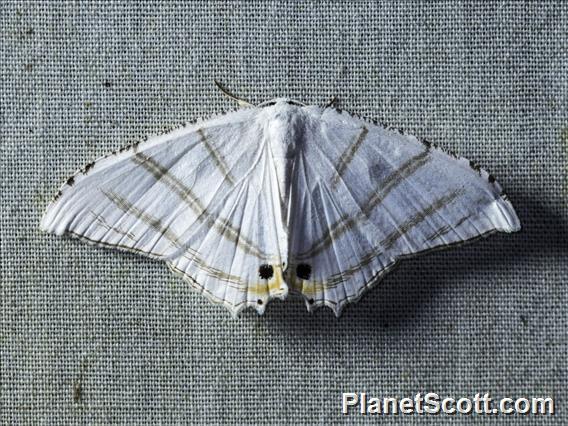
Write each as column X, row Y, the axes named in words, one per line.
column 280, row 197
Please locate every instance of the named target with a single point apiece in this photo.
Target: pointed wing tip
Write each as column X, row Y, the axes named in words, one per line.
column 515, row 227
column 43, row 228
column 48, row 222
column 508, row 219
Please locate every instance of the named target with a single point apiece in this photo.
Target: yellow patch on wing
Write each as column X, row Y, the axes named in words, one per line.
column 307, row 287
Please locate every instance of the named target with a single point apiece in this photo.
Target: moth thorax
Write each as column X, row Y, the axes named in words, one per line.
column 283, row 134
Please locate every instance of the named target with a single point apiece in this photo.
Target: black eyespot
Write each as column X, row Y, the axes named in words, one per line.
column 311, row 301
column 259, row 301
column 265, row 271
column 491, row 178
column 303, row 271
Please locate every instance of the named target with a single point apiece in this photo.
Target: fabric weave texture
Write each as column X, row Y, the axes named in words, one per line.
column 89, row 335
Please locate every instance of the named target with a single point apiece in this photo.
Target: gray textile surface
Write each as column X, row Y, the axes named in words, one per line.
column 98, row 336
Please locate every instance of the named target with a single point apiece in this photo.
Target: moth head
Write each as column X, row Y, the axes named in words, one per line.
column 275, row 101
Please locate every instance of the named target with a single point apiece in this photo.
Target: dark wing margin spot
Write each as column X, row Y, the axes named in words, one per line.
column 88, row 167
column 265, row 271
column 303, row 271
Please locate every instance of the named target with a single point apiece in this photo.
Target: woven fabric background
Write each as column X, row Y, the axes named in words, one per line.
column 90, row 335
